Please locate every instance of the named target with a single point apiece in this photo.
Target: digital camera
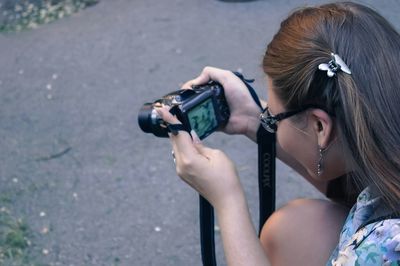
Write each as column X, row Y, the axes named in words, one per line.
column 203, row 109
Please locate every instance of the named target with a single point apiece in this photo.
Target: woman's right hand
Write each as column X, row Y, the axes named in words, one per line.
column 244, row 118
column 210, row 172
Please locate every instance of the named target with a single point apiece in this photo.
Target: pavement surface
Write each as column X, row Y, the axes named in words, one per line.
column 72, row 157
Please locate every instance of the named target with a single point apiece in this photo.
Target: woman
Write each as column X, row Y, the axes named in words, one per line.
column 337, row 67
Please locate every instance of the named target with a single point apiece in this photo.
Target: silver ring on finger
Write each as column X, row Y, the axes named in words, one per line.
column 173, row 156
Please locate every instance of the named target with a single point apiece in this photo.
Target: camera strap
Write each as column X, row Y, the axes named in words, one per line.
column 266, row 162
column 266, row 186
column 266, row 174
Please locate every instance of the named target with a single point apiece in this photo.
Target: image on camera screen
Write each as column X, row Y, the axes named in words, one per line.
column 202, row 118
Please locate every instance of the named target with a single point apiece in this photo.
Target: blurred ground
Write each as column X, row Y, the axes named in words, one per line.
column 74, row 165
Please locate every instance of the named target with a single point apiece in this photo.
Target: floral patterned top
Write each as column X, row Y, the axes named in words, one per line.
column 370, row 235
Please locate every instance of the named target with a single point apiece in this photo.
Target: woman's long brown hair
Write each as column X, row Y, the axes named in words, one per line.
column 366, row 103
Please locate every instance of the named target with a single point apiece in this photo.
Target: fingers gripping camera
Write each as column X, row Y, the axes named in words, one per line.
column 203, row 109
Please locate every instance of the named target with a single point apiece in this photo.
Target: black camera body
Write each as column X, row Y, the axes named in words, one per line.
column 203, row 109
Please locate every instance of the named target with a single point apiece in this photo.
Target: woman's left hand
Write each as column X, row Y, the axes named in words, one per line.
column 244, row 112
column 210, row 172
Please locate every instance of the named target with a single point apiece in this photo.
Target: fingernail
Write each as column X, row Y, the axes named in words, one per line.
column 195, row 137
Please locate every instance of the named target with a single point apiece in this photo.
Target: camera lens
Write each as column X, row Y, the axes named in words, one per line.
column 149, row 121
column 144, row 117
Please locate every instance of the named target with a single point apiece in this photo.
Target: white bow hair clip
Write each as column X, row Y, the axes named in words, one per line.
column 334, row 65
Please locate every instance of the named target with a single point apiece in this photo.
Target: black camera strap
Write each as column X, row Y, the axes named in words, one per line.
column 266, row 186
column 266, row 174
column 207, row 233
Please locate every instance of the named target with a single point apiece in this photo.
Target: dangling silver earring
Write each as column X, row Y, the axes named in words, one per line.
column 320, row 161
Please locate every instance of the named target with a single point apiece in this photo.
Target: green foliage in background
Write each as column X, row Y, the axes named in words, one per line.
column 29, row 14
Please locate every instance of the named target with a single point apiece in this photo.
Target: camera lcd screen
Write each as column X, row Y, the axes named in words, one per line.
column 202, row 118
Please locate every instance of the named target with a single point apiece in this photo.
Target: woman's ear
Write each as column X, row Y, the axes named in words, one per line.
column 323, row 127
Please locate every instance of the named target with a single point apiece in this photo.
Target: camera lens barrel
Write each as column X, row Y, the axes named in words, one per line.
column 144, row 117
column 149, row 121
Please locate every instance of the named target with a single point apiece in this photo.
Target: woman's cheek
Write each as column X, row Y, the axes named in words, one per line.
column 298, row 149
